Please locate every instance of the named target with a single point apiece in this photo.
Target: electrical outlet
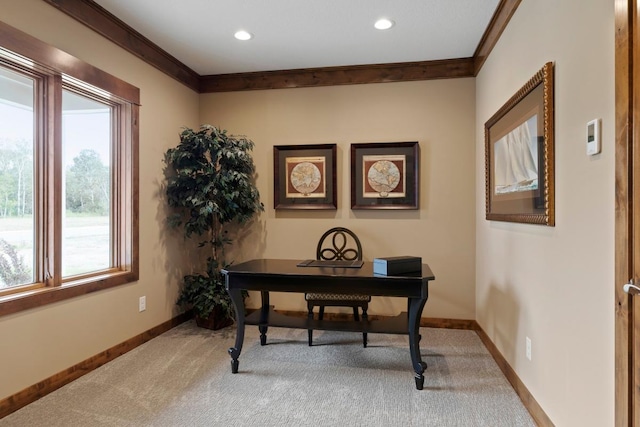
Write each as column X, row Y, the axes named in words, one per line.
column 142, row 304
column 528, row 351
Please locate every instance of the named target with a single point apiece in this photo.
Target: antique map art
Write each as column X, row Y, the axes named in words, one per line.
column 305, row 177
column 383, row 176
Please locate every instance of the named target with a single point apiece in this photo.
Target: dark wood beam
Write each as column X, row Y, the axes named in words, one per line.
column 499, row 21
column 100, row 20
column 334, row 76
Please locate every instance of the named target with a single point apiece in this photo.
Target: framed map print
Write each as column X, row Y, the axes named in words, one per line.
column 384, row 175
column 304, row 176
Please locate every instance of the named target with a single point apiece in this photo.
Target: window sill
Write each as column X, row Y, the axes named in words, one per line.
column 21, row 301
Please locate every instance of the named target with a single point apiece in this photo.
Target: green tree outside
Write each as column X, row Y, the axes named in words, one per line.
column 16, row 178
column 87, row 192
column 87, row 184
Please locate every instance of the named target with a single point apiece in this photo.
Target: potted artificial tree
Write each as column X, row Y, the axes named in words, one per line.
column 211, row 186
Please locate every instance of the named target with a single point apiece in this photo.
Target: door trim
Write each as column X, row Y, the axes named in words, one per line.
column 626, row 162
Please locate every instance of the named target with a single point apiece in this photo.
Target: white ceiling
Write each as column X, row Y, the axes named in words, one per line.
column 293, row 34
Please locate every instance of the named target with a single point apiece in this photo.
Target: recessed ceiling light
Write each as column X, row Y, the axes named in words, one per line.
column 243, row 35
column 384, row 24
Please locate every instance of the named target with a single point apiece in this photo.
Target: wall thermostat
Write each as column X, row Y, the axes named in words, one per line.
column 593, row 137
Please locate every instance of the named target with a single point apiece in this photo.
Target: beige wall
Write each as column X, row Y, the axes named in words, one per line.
column 555, row 284
column 437, row 114
column 42, row 342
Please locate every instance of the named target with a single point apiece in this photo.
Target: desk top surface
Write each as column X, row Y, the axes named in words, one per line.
column 288, row 267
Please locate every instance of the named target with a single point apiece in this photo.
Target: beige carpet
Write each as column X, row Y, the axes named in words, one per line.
column 183, row 378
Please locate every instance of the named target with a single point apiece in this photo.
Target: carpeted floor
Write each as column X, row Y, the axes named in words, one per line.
column 183, row 378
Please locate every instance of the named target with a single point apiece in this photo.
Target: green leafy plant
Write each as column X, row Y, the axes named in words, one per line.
column 211, row 186
column 13, row 269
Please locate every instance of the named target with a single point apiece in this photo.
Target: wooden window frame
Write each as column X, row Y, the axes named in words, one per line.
column 54, row 70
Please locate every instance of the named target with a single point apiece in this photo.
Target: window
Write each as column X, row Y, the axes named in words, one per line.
column 86, row 143
column 68, row 176
column 17, row 233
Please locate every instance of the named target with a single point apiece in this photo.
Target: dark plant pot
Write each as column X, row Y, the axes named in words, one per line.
column 216, row 320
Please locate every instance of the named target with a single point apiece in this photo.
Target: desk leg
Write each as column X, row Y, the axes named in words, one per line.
column 415, row 312
column 263, row 326
column 238, row 305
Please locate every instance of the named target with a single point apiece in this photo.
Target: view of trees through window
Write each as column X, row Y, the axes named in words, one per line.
column 17, row 234
column 16, row 212
column 68, row 175
column 86, row 183
column 86, row 141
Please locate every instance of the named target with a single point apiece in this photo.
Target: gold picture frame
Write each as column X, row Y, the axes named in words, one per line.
column 519, row 155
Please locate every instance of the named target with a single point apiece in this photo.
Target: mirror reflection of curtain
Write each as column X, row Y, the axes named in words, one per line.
column 516, row 159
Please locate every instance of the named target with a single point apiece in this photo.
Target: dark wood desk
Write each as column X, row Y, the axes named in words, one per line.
column 273, row 275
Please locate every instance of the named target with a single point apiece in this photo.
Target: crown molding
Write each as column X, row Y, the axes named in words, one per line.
column 103, row 22
column 335, row 76
column 108, row 25
column 499, row 21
